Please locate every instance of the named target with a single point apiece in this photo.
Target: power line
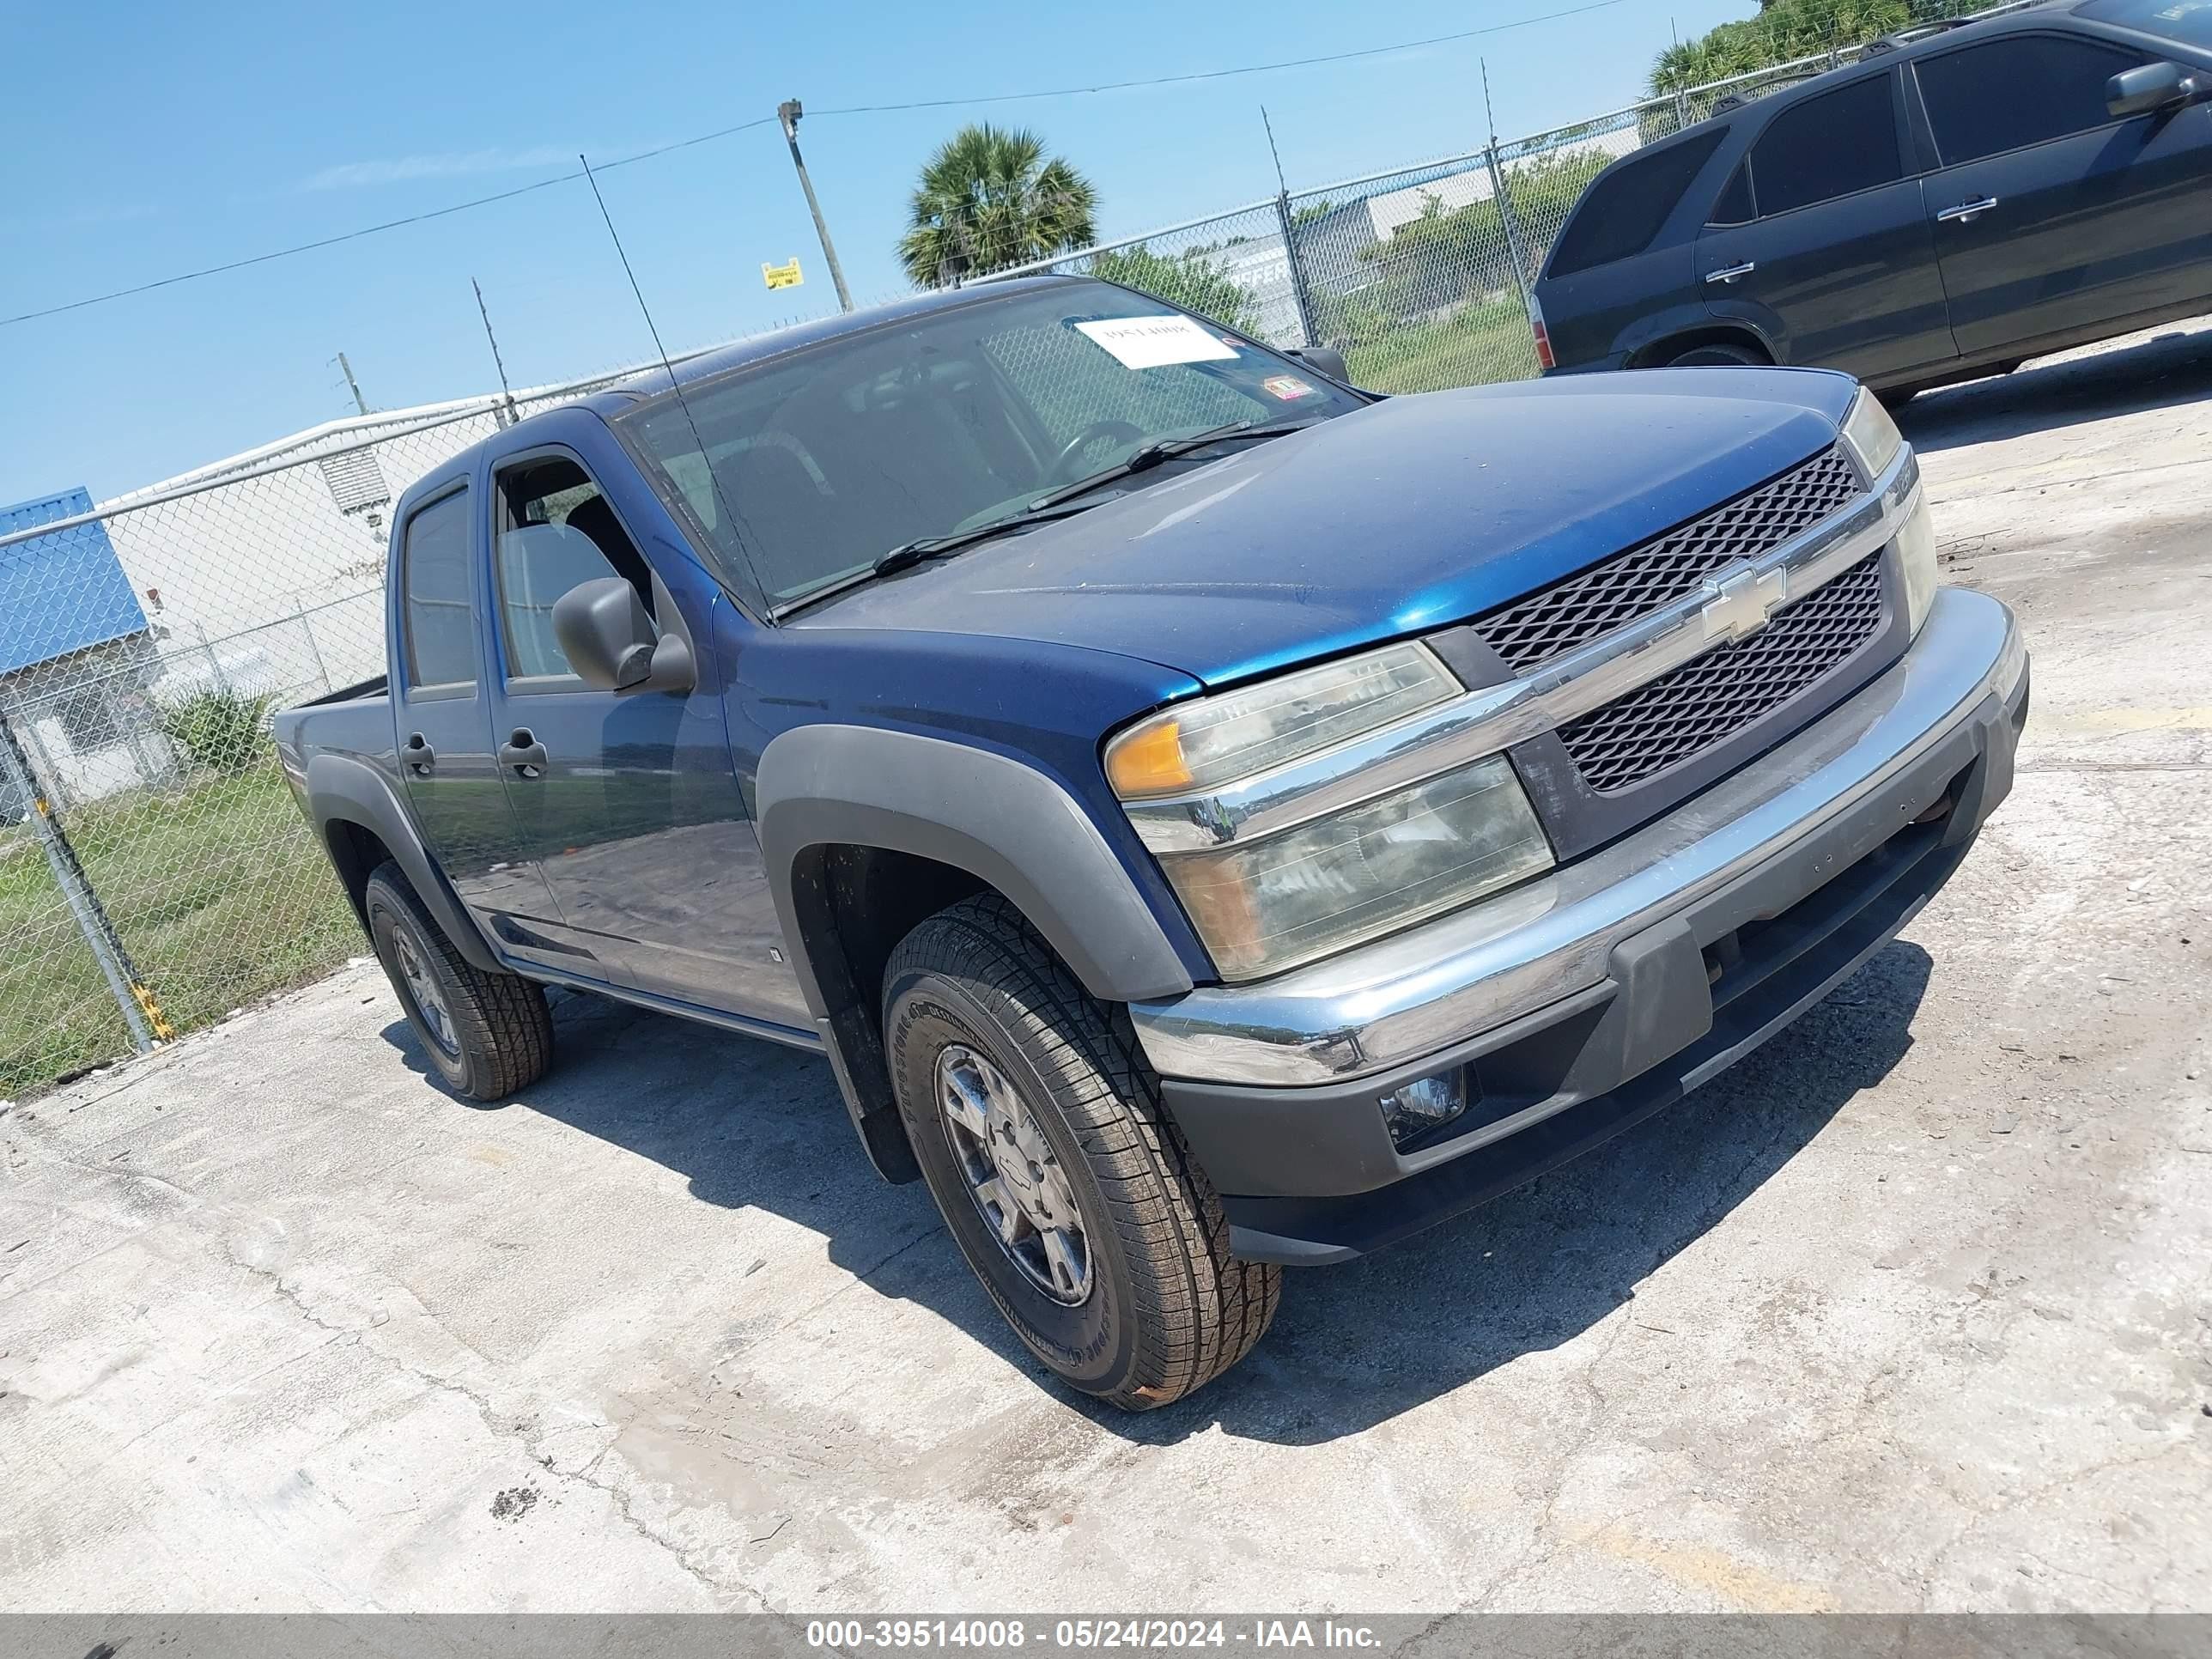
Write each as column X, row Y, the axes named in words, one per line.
column 372, row 230
column 765, row 120
column 1225, row 74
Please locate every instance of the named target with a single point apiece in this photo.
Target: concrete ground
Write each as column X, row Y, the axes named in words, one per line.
column 1910, row 1311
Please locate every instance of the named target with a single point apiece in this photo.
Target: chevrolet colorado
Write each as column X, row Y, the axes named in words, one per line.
column 1209, row 817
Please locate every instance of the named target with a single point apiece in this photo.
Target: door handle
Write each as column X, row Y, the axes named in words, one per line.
column 1731, row 273
column 419, row 756
column 523, row 753
column 1967, row 212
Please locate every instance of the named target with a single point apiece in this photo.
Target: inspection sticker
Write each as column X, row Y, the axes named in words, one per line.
column 1288, row 387
column 1155, row 341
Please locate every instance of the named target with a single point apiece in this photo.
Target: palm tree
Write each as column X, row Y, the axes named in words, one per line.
column 989, row 199
column 1784, row 29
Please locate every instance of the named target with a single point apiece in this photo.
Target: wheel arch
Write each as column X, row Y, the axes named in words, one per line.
column 362, row 824
column 866, row 831
column 1668, row 347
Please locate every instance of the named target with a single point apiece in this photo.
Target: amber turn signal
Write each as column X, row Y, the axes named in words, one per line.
column 1148, row 761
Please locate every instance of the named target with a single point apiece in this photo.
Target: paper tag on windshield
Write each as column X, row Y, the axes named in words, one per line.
column 1156, row 342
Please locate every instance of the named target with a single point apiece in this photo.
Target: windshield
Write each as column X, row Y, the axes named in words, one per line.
column 822, row 461
column 2187, row 22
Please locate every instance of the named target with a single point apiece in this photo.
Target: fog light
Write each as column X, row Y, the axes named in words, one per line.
column 1413, row 1111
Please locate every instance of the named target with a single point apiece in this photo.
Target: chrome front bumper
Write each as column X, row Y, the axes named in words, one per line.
column 1396, row 1000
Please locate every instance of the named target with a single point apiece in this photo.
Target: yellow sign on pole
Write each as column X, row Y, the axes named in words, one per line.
column 785, row 275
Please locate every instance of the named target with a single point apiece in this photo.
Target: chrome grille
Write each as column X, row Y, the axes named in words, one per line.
column 1577, row 610
column 1708, row 700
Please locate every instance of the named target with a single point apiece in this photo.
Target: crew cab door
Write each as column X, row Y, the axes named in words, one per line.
column 2050, row 216
column 627, row 803
column 1833, row 263
column 442, row 715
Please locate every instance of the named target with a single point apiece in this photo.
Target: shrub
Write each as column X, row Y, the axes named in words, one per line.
column 225, row 731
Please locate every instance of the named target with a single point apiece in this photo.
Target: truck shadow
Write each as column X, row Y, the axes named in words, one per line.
column 752, row 1125
column 2174, row 367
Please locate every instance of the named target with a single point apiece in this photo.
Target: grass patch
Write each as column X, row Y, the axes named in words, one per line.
column 220, row 896
column 1474, row 347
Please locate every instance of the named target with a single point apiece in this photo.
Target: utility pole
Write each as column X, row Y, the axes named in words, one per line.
column 505, row 391
column 352, row 385
column 788, row 112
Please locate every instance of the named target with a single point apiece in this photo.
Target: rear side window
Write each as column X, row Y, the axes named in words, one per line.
column 441, row 639
column 1829, row 146
column 1624, row 209
column 2006, row 95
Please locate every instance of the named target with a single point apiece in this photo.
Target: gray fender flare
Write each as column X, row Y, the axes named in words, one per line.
column 342, row 790
column 1004, row 822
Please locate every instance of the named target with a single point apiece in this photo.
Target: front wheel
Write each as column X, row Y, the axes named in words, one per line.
column 487, row 1035
column 1039, row 1129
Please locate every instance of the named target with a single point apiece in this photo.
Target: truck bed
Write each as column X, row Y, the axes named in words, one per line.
column 353, row 720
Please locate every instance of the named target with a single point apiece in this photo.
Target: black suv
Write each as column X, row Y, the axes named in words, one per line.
column 1943, row 207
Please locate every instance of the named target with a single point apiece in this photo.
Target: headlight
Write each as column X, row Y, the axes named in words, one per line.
column 1371, row 869
column 1871, row 433
column 1198, row 745
column 1305, row 883
column 1915, row 563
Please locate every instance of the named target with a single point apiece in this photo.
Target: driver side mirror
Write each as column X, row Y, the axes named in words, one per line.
column 2150, row 86
column 1328, row 359
column 611, row 642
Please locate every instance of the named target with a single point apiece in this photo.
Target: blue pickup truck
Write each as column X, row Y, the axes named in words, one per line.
column 1210, row 818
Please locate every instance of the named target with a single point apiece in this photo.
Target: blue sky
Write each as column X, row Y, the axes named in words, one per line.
column 142, row 140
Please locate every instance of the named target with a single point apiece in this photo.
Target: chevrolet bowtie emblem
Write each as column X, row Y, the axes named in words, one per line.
column 1739, row 604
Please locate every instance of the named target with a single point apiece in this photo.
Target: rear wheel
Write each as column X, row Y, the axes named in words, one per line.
column 1040, row 1130
column 1717, row 354
column 486, row 1035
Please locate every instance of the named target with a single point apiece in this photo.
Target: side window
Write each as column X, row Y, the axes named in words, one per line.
column 2009, row 93
column 1735, row 207
column 1624, row 209
column 556, row 530
column 441, row 641
column 1829, row 146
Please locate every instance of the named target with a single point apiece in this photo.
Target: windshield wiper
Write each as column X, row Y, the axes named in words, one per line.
column 906, row 554
column 929, row 547
column 1151, row 455
column 1060, row 503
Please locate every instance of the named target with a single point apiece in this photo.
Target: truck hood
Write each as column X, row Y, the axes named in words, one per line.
column 1405, row 516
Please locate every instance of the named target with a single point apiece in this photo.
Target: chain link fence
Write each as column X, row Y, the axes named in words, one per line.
column 154, row 873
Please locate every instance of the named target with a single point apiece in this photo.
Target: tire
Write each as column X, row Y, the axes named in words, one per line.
column 1163, row 1308
column 1717, row 355
column 485, row 1034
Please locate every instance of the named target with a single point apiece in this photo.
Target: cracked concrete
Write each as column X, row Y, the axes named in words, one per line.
column 1909, row 1311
